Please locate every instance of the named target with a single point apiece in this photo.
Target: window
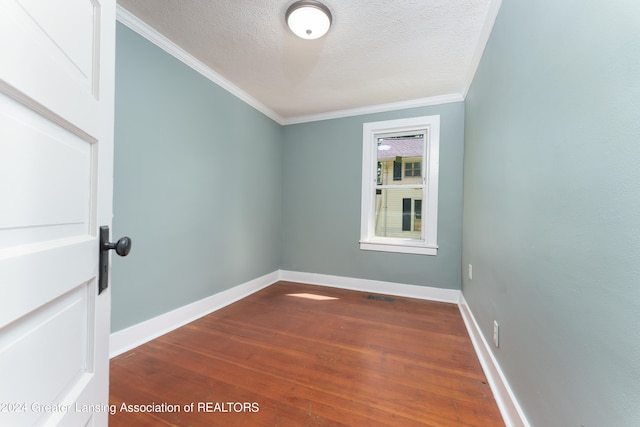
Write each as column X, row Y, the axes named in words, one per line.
column 406, row 214
column 397, row 170
column 400, row 185
column 412, row 169
column 411, row 219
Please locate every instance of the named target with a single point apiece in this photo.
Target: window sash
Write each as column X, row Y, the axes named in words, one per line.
column 426, row 220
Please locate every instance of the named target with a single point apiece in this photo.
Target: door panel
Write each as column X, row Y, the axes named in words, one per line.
column 33, row 276
column 56, row 180
column 54, row 168
column 71, row 31
column 58, row 74
column 63, row 324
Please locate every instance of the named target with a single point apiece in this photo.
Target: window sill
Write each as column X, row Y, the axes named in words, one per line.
column 398, row 247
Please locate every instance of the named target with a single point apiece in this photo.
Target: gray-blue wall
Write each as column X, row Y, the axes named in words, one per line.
column 321, row 210
column 215, row 194
column 197, row 185
column 552, row 207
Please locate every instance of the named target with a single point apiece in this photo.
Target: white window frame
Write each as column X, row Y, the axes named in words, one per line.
column 430, row 126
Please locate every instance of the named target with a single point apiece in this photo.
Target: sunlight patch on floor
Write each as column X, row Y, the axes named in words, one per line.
column 312, row 296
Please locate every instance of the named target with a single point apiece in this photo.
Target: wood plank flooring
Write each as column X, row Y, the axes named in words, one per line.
column 282, row 358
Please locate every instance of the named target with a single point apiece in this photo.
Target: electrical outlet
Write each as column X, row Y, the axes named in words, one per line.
column 470, row 272
column 496, row 333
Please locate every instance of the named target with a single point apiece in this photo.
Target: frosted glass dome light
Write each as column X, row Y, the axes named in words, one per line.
column 308, row 19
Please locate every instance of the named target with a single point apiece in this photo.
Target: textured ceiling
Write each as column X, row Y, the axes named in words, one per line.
column 376, row 52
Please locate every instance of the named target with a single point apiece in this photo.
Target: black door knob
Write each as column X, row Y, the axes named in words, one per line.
column 122, row 246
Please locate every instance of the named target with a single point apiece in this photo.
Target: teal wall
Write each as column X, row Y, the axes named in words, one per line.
column 322, row 184
column 197, row 185
column 552, row 207
column 215, row 194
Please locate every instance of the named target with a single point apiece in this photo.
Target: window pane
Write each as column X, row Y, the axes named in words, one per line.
column 395, row 213
column 417, row 169
column 398, row 154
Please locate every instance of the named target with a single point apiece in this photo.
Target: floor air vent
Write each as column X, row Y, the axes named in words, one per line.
column 377, row 298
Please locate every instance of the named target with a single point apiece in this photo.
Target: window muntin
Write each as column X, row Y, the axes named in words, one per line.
column 399, row 191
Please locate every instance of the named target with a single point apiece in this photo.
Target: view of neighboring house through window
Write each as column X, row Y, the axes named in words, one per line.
column 400, row 178
column 400, row 184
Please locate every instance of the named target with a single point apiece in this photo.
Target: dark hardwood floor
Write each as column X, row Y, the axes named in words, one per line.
column 280, row 359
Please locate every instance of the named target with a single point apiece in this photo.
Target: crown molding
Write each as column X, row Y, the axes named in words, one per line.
column 135, row 24
column 380, row 108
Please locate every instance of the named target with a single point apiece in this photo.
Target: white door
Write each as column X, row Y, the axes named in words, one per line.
column 56, row 178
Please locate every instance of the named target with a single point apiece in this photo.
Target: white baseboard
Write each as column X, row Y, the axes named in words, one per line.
column 136, row 335
column 510, row 409
column 366, row 285
column 143, row 332
column 133, row 336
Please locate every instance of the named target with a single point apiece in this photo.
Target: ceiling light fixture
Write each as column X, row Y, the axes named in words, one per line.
column 308, row 19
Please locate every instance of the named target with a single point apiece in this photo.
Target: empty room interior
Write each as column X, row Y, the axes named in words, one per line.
column 241, row 177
